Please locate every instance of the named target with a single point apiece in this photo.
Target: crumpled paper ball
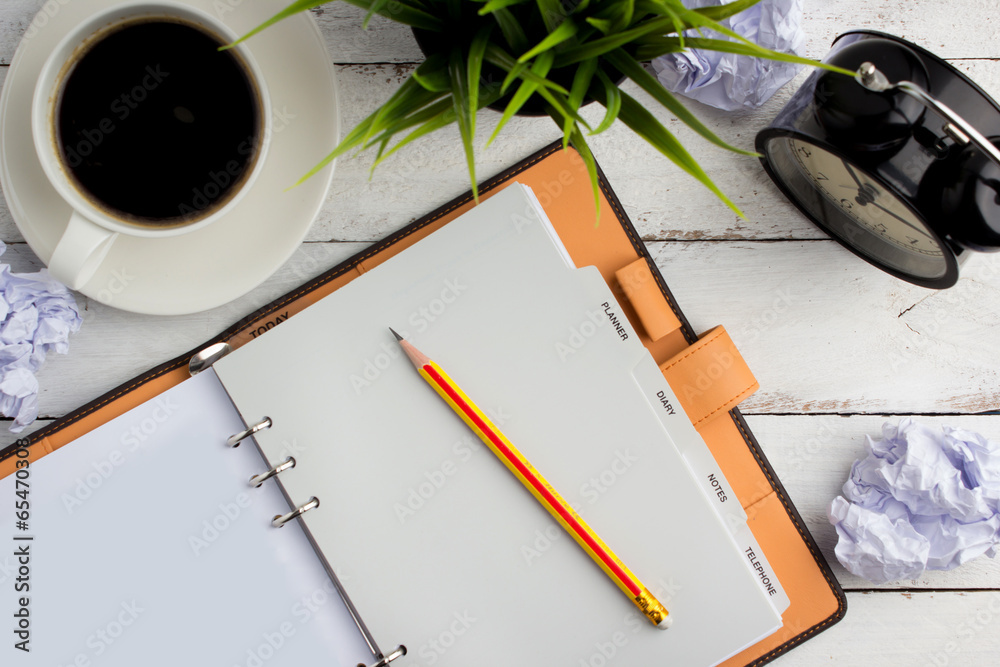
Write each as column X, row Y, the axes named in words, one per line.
column 37, row 315
column 923, row 498
column 728, row 81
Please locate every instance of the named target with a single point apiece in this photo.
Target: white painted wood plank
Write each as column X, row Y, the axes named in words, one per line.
column 825, row 332
column 663, row 202
column 822, row 330
column 383, row 41
column 812, row 456
column 908, row 630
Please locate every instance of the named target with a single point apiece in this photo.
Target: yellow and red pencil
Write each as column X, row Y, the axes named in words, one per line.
column 537, row 485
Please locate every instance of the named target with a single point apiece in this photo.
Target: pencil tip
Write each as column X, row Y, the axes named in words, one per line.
column 398, row 337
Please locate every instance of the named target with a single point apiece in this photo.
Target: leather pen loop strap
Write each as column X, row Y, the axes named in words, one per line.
column 709, row 377
column 641, row 289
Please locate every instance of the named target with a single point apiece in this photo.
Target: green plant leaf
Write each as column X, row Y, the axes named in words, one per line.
column 603, row 25
column 512, row 31
column 697, row 20
column 720, row 12
column 628, row 66
column 566, row 29
column 465, row 112
column 643, row 123
column 739, row 48
column 497, row 56
column 416, row 118
column 528, row 86
column 411, row 95
column 406, row 99
column 494, row 5
column 444, row 118
column 294, row 8
column 474, row 66
column 432, row 74
column 374, row 8
column 561, row 104
column 512, row 76
column 670, row 13
column 580, row 144
column 612, row 102
column 576, row 138
column 406, row 12
column 657, row 45
column 581, row 84
column 602, row 45
column 401, row 12
column 552, row 13
column 620, row 13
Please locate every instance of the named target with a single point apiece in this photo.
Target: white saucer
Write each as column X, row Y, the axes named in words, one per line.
column 211, row 266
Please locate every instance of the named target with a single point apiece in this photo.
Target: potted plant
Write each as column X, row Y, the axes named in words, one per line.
column 549, row 55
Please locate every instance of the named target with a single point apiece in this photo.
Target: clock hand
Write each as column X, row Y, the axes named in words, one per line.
column 902, row 220
column 861, row 191
column 857, row 180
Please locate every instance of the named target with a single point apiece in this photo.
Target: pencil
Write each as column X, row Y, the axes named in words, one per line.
column 537, row 485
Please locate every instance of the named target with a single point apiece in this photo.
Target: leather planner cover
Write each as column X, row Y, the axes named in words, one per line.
column 559, row 180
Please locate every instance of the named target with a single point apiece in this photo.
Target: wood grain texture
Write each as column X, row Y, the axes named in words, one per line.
column 908, row 629
column 812, row 456
column 835, row 344
column 825, row 332
column 822, row 331
column 663, row 202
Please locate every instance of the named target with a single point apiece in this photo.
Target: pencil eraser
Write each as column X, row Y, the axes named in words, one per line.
column 665, row 623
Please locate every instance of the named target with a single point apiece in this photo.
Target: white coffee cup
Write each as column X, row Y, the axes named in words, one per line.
column 92, row 229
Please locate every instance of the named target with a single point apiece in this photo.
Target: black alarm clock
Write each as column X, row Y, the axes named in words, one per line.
column 899, row 164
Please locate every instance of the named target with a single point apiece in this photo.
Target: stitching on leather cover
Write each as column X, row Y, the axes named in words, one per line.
column 38, row 436
column 89, row 409
column 739, row 396
column 644, row 254
column 753, row 447
column 704, row 342
column 807, row 539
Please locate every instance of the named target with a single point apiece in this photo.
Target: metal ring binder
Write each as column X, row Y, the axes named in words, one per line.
column 205, row 358
column 398, row 653
column 237, row 438
column 257, row 480
column 281, row 519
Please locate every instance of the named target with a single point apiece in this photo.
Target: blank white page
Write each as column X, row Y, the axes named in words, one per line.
column 440, row 547
column 151, row 548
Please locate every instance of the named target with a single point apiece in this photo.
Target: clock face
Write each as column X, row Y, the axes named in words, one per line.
column 857, row 209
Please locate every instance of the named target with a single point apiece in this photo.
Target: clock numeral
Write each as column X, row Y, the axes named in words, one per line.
column 820, row 176
column 805, row 151
column 912, row 240
column 846, row 203
column 881, row 228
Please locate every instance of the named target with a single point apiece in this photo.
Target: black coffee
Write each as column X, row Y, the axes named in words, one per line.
column 156, row 125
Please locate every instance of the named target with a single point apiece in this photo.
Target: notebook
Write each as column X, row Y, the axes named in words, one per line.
column 150, row 548
column 805, row 601
column 433, row 529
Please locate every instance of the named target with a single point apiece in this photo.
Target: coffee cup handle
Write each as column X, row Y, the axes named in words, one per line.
column 80, row 251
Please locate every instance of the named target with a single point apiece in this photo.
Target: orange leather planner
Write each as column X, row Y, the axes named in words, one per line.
column 705, row 371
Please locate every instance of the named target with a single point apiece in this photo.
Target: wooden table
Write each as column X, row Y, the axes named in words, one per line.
column 838, row 347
